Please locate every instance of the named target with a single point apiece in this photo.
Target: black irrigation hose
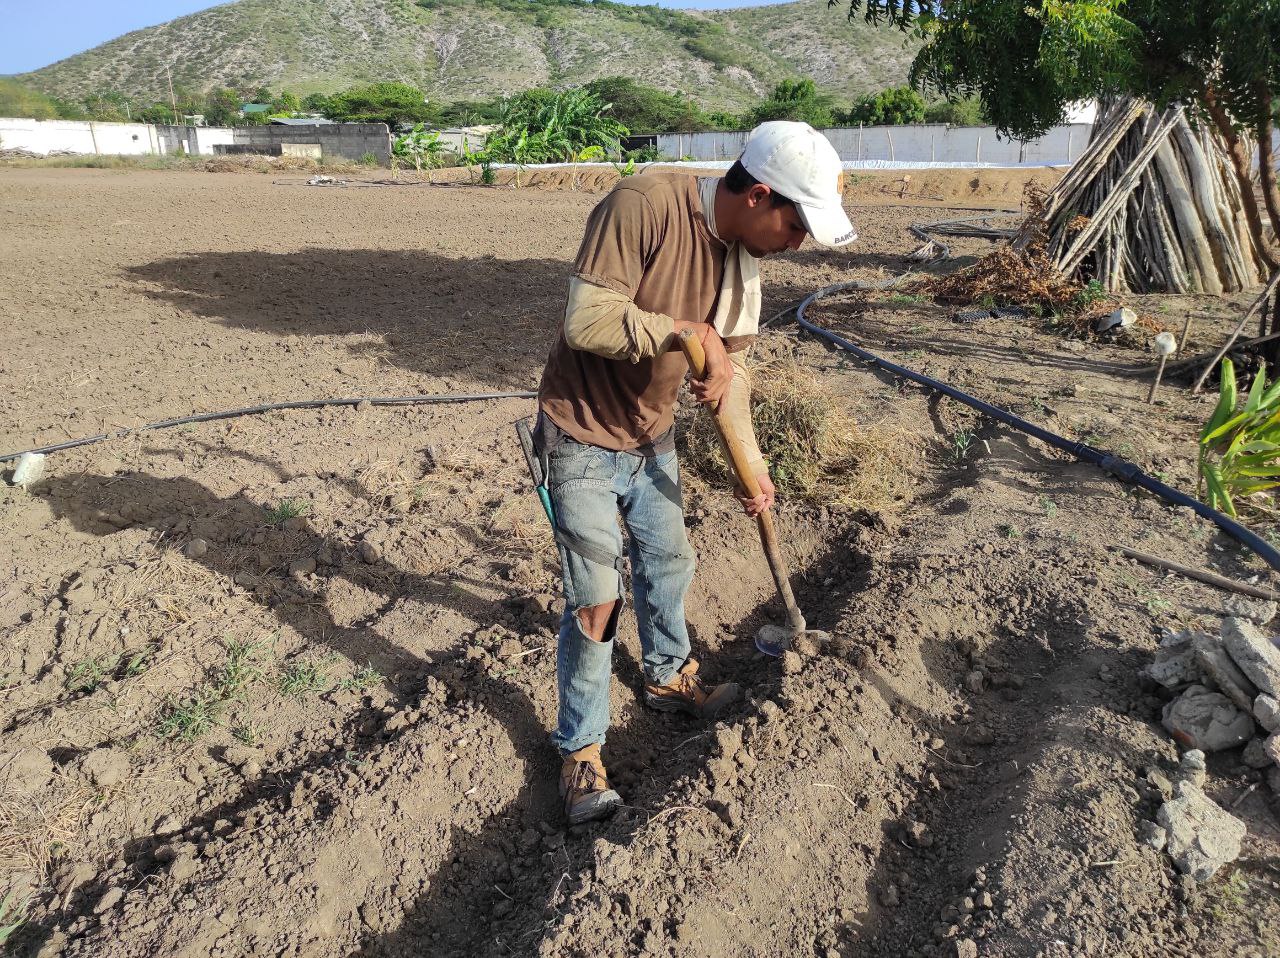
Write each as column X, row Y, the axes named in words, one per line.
column 271, row 407
column 1113, row 466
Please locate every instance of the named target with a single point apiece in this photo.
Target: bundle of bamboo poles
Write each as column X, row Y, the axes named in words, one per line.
column 1151, row 206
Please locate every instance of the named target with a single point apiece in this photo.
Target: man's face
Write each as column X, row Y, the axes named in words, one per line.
column 769, row 229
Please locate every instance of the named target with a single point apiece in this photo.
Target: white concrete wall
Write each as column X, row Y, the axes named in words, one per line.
column 207, row 137
column 76, row 136
column 924, row 143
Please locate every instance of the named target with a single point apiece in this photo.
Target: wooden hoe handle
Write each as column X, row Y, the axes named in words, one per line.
column 693, row 352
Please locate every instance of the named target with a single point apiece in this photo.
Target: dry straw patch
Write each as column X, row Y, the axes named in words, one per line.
column 817, row 450
column 34, row 828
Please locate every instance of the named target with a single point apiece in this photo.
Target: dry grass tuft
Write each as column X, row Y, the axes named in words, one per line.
column 816, row 450
column 33, row 829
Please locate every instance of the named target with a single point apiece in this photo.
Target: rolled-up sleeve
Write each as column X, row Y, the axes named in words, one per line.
column 606, row 322
column 736, row 409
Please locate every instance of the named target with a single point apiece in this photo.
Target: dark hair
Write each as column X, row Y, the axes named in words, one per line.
column 739, row 181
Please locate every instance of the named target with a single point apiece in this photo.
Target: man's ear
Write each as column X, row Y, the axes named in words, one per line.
column 757, row 194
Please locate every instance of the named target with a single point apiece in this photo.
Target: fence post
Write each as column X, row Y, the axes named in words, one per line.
column 977, row 157
column 889, row 137
column 93, row 138
column 1071, row 130
column 933, row 147
column 859, row 139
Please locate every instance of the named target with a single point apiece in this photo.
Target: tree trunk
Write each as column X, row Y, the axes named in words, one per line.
column 1242, row 166
column 1267, row 166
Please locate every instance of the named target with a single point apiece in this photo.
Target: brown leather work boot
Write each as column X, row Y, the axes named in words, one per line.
column 585, row 787
column 687, row 693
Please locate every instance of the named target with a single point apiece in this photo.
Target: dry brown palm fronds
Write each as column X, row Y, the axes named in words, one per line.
column 1006, row 277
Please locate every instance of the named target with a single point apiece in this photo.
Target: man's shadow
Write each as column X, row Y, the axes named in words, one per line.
column 177, row 509
column 481, row 319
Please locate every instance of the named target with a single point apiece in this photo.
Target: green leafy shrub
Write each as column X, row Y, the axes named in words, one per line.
column 1240, row 450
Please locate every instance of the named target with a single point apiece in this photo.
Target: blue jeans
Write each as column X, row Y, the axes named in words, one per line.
column 589, row 487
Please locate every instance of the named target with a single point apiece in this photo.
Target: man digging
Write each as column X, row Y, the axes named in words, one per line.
column 662, row 253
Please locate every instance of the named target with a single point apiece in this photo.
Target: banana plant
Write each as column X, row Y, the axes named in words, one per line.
column 1240, row 448
column 421, row 148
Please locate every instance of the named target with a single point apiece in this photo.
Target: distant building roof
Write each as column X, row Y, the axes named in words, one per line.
column 256, row 108
column 303, row 121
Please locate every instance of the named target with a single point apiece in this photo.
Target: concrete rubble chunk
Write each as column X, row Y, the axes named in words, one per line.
column 1202, row 837
column 1192, row 768
column 1259, row 611
column 1206, row 720
column 1255, row 754
column 1271, row 748
column 1254, row 652
column 1152, row 835
column 1266, row 712
column 1175, row 662
column 1217, row 665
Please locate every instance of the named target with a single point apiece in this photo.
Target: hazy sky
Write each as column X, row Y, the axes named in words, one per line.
column 39, row 32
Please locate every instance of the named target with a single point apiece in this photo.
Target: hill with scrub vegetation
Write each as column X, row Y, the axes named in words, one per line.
column 480, row 49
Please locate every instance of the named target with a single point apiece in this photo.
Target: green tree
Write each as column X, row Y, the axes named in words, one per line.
column 108, row 107
column 389, row 103
column 794, row 100
column 160, row 113
column 1029, row 60
column 317, row 103
column 472, row 112
column 646, row 109
column 20, row 101
column 896, row 106
column 964, row 112
column 222, row 108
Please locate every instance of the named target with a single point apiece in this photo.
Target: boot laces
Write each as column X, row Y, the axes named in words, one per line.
column 584, row 779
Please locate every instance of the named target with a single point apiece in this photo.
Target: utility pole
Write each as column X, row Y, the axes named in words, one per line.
column 173, row 103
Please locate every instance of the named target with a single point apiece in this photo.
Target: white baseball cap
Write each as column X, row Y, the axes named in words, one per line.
column 801, row 164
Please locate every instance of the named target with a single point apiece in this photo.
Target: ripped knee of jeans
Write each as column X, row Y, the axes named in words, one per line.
column 587, row 618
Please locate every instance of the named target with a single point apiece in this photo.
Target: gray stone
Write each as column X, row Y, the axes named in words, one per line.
column 1152, row 835
column 1254, row 653
column 369, row 551
column 196, row 548
column 1191, row 768
column 1217, row 665
column 1271, row 748
column 1254, row 755
column 1207, row 720
column 1255, row 610
column 1273, row 780
column 1175, row 663
column 1266, row 711
column 1202, row 836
